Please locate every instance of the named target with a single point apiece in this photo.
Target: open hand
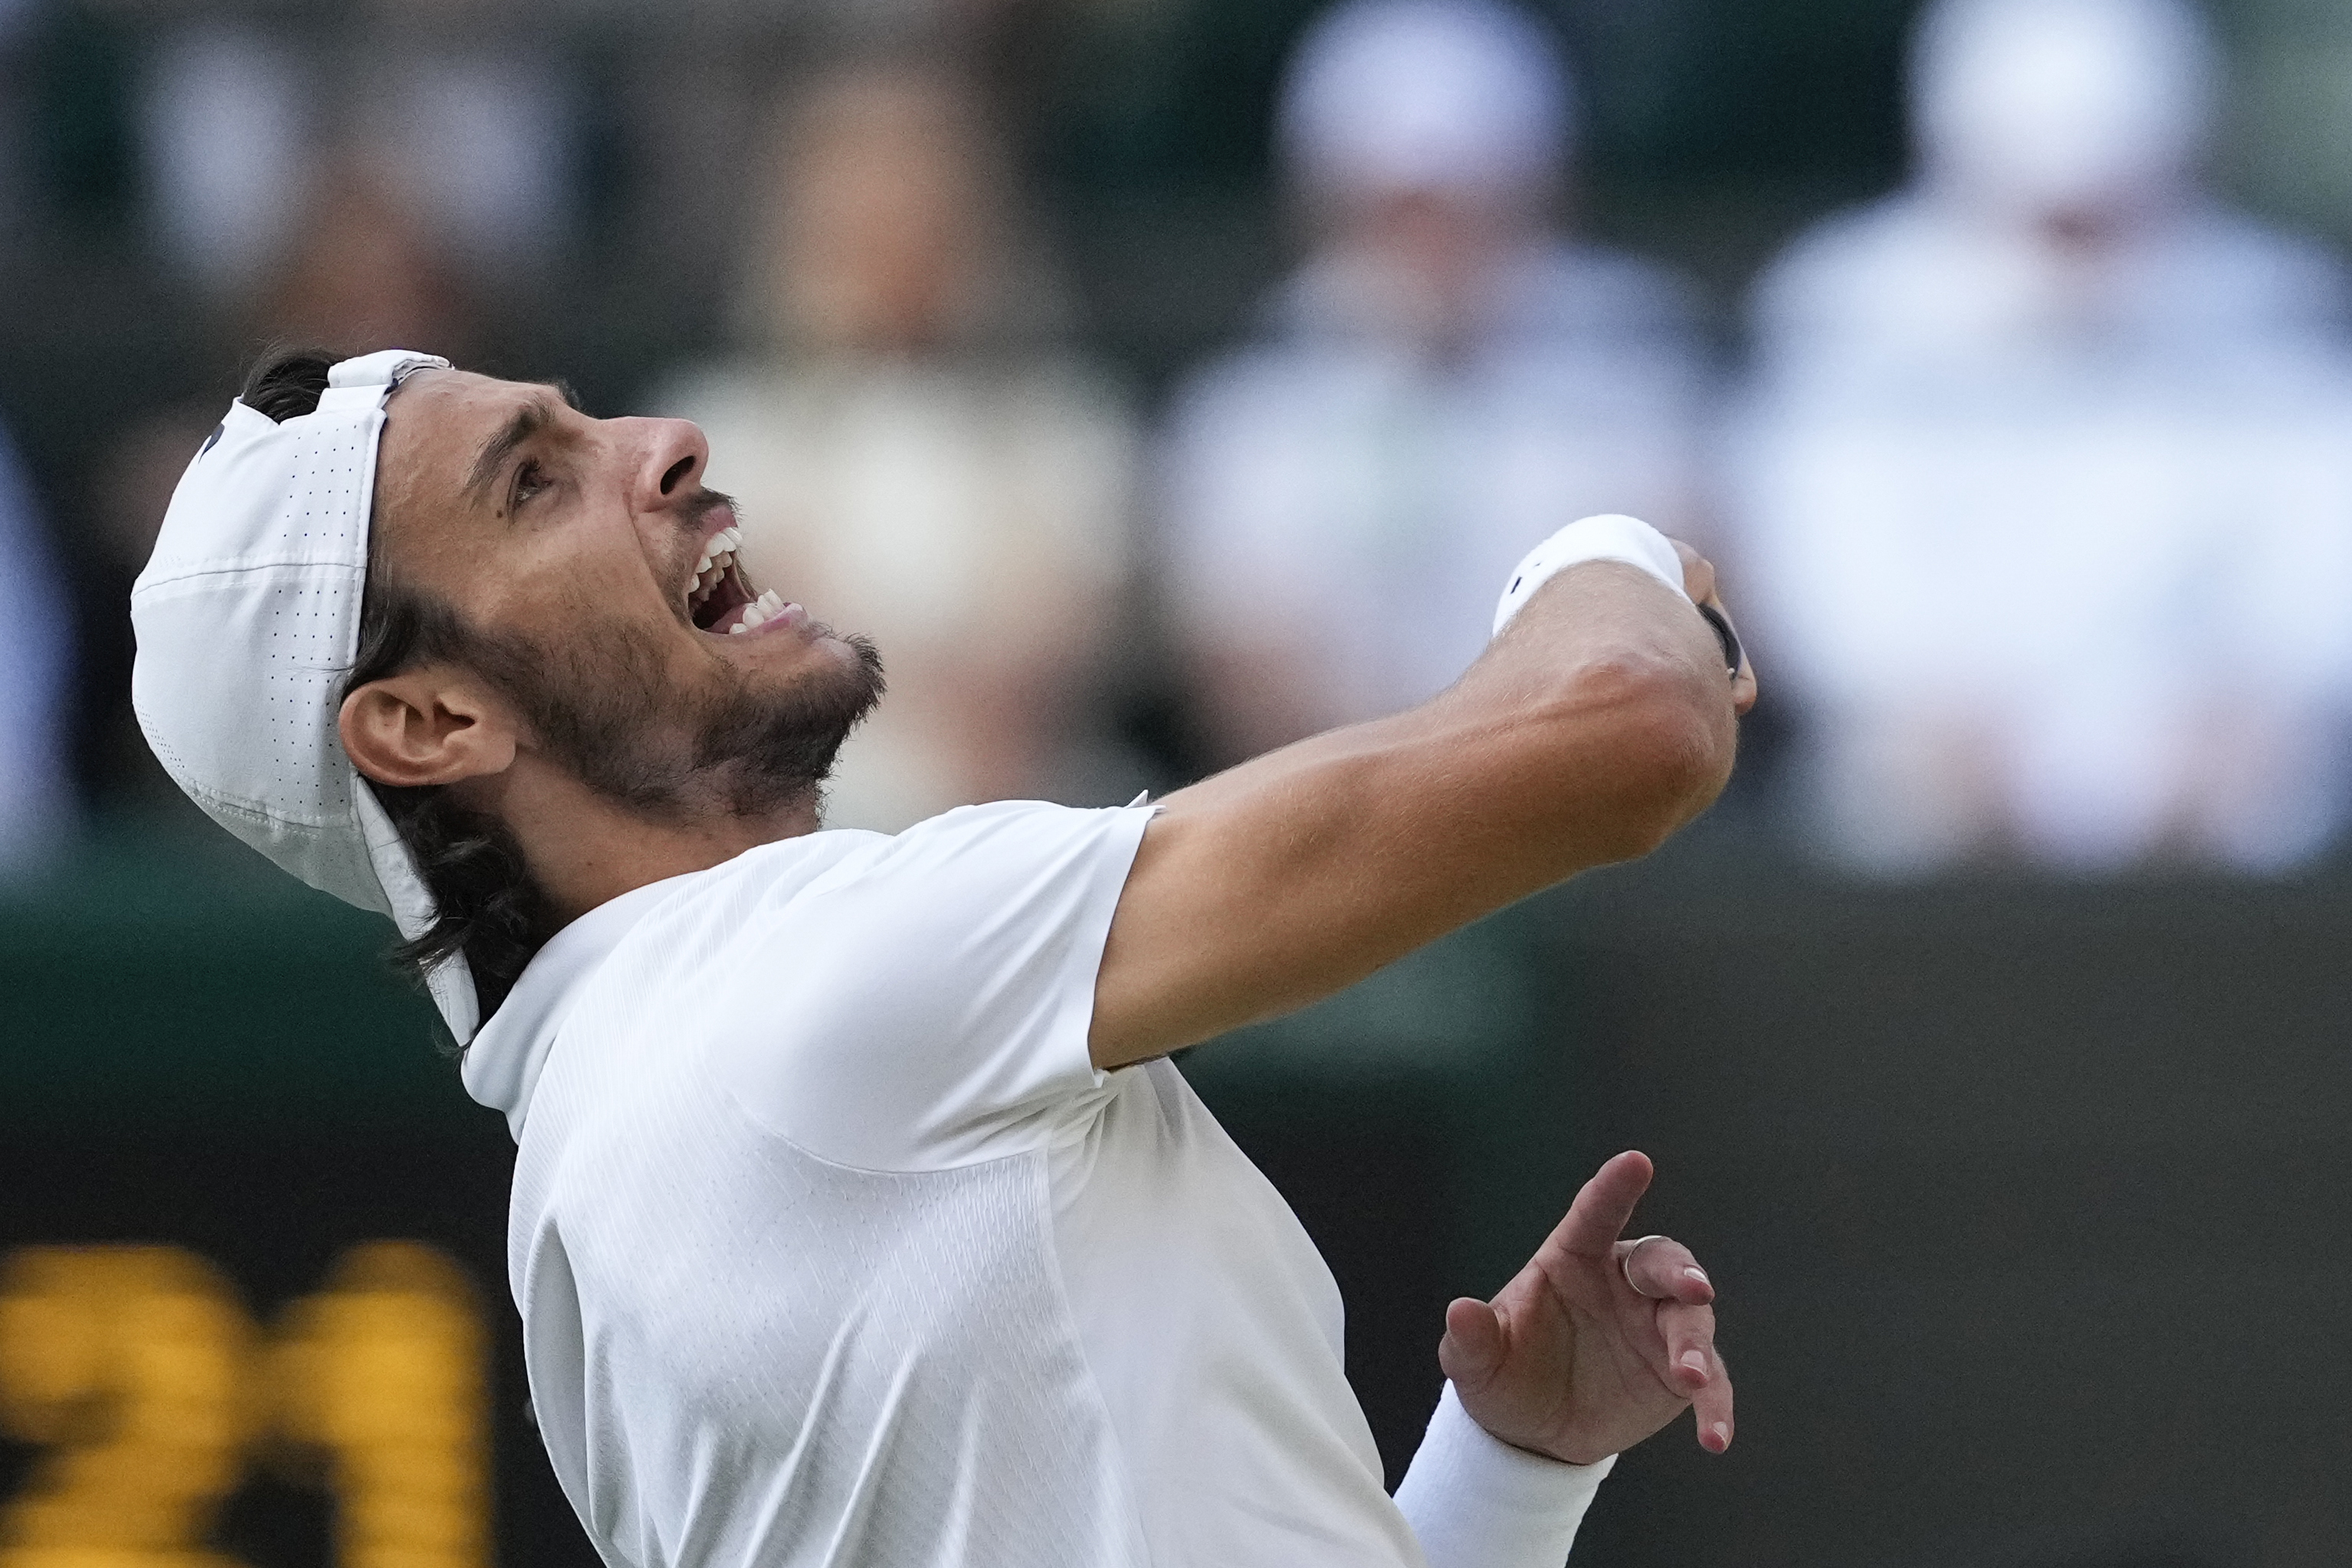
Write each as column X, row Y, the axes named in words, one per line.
column 1598, row 1341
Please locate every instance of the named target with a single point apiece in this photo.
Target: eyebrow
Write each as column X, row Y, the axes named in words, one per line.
column 528, row 420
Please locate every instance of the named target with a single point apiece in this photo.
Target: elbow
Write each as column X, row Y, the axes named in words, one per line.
column 1669, row 742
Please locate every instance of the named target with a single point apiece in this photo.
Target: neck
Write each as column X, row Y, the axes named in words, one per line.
column 585, row 850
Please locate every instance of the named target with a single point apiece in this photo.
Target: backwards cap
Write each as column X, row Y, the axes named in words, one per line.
column 247, row 618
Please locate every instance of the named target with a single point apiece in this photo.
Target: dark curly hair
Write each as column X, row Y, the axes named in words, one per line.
column 490, row 908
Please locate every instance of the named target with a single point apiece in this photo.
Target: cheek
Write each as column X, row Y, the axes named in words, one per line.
column 575, row 582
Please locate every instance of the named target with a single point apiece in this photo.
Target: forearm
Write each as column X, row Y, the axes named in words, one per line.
column 1622, row 685
column 1593, row 728
column 1599, row 722
column 1474, row 1502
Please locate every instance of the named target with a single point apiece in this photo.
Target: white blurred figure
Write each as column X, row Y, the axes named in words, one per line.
column 223, row 123
column 2044, row 496
column 1443, row 382
column 239, row 124
column 36, row 666
column 916, row 457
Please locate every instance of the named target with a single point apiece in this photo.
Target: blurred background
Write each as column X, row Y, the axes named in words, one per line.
column 1159, row 381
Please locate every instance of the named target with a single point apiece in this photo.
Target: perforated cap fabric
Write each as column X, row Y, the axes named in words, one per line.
column 247, row 619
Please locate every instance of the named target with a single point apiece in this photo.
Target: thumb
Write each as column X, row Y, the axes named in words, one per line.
column 1472, row 1350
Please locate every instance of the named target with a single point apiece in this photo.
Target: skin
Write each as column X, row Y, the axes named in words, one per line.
column 587, row 524
column 1598, row 1341
column 1597, row 724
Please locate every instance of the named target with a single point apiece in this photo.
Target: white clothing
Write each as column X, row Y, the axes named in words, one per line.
column 831, row 1246
column 1345, row 494
column 2059, row 539
column 1916, row 292
column 1476, row 1502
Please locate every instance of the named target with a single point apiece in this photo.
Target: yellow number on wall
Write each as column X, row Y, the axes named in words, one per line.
column 132, row 1364
column 138, row 1368
column 384, row 1371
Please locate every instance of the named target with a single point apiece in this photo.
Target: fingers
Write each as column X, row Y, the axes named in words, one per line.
column 1662, row 1268
column 1700, row 583
column 1696, row 1371
column 1743, row 679
column 1473, row 1346
column 1698, row 573
column 1711, row 1409
column 1597, row 1218
column 1689, row 1333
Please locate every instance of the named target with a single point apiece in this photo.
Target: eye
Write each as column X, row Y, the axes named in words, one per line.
column 529, row 481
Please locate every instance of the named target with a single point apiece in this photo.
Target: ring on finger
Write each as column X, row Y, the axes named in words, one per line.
column 1625, row 1265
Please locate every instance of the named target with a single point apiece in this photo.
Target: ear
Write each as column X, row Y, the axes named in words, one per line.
column 433, row 725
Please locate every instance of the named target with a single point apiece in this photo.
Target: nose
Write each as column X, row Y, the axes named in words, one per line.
column 675, row 455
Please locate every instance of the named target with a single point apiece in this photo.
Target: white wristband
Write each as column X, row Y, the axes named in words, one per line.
column 1610, row 537
column 1474, row 1502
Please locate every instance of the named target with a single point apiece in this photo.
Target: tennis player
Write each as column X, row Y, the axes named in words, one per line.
column 859, row 1218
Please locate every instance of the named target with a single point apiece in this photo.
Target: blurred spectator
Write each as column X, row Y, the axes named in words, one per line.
column 366, row 264
column 34, row 659
column 458, row 102
column 914, row 458
column 2044, row 496
column 358, row 265
column 1442, row 384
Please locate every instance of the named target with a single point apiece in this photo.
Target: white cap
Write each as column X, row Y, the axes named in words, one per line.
column 2041, row 105
column 1390, row 96
column 248, row 619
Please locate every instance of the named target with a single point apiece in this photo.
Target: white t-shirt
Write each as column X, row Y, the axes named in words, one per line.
column 831, row 1246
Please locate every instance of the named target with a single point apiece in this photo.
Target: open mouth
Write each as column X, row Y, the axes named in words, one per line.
column 718, row 599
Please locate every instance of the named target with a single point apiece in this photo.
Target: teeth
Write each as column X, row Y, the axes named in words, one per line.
column 719, row 551
column 763, row 608
column 706, row 576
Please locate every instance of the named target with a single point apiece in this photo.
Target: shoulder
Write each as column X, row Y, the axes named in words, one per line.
column 2267, row 268
column 1009, row 832
column 1233, row 394
column 825, row 877
column 1597, row 288
column 1877, row 268
column 1844, row 245
column 925, row 1002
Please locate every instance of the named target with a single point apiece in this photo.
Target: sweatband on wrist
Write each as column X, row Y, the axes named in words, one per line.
column 1476, row 1502
column 1610, row 537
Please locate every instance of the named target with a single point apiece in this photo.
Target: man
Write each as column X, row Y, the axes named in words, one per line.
column 2055, row 344
column 858, row 1216
column 1450, row 373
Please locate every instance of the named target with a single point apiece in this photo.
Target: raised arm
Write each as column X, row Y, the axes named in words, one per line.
column 1599, row 722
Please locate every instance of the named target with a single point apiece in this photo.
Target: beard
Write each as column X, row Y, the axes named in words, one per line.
column 606, row 708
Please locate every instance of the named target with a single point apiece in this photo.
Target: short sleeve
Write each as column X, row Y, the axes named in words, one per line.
column 933, row 997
